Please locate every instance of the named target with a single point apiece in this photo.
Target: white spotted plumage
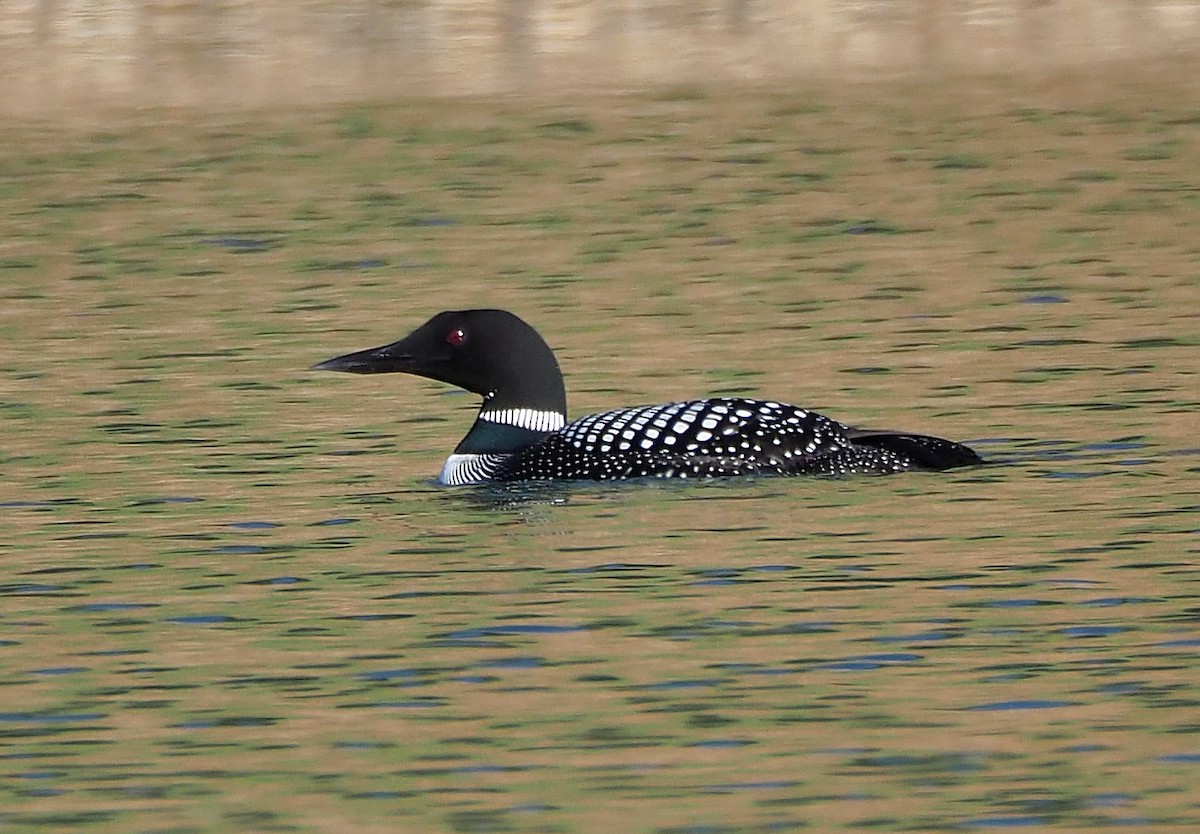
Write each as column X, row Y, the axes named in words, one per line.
column 698, row 438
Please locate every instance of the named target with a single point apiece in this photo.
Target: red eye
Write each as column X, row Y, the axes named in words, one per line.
column 457, row 337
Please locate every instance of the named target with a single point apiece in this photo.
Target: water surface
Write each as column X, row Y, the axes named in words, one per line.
column 233, row 599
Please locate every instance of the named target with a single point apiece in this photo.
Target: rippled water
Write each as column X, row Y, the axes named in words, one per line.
column 233, row 599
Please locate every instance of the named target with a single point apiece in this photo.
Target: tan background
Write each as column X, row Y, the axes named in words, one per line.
column 61, row 56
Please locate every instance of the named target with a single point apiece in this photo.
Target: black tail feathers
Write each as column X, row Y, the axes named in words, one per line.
column 924, row 451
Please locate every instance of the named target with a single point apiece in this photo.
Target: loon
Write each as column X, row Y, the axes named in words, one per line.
column 521, row 432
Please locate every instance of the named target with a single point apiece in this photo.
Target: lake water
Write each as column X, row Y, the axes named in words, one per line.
column 233, row 599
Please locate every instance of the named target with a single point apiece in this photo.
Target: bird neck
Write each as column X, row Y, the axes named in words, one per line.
column 501, row 427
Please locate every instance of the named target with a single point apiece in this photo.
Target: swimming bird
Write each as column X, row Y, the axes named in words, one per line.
column 521, row 431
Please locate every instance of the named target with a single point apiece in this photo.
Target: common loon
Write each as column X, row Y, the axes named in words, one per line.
column 522, row 433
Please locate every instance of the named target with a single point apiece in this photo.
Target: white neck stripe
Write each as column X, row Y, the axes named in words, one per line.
column 526, row 418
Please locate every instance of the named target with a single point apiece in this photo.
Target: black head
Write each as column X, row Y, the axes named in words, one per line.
column 489, row 352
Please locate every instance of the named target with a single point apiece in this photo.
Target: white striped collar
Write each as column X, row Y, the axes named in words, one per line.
column 463, row 469
column 526, row 418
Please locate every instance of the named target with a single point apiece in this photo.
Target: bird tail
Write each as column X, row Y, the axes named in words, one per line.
column 924, row 451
